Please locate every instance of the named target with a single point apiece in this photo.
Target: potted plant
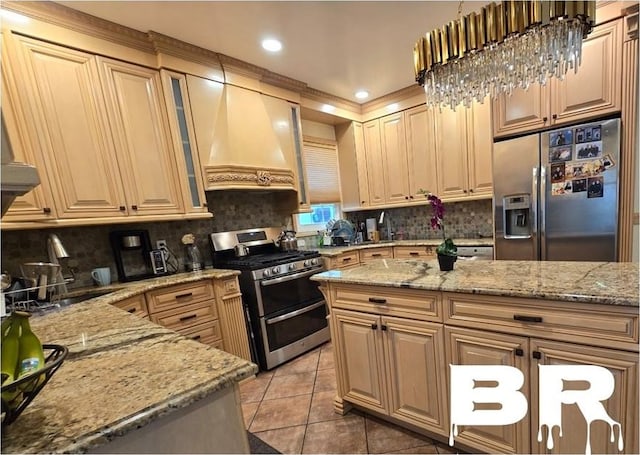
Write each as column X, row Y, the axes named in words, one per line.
column 447, row 251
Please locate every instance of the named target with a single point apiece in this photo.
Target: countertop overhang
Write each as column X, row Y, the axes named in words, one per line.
column 122, row 372
column 612, row 283
column 331, row 251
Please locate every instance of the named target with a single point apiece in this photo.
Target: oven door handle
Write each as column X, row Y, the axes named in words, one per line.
column 290, row 277
column 284, row 317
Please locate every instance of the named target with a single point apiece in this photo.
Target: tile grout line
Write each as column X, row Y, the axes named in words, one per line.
column 315, row 379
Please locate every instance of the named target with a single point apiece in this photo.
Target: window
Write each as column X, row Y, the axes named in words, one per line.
column 323, row 183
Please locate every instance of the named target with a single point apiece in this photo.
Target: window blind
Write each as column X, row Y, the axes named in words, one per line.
column 321, row 167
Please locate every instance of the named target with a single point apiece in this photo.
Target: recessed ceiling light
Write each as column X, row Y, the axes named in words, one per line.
column 362, row 94
column 271, row 45
column 327, row 108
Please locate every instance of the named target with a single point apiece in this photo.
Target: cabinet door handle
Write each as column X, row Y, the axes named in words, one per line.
column 134, row 207
column 186, row 318
column 46, row 210
column 122, row 208
column 536, row 354
column 383, row 327
column 519, row 317
column 131, row 310
column 519, row 352
column 375, row 255
column 374, row 326
column 414, row 253
column 184, row 296
column 197, row 337
column 377, row 300
column 346, row 259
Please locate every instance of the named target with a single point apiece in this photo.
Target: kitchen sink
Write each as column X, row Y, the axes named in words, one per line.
column 81, row 298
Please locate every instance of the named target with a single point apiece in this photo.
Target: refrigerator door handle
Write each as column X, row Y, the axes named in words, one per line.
column 542, row 209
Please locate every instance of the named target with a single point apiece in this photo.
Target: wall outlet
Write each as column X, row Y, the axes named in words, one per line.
column 161, row 244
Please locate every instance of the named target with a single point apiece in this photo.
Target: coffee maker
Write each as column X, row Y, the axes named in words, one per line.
column 133, row 255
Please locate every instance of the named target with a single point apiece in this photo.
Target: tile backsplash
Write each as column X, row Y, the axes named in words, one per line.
column 89, row 246
column 469, row 219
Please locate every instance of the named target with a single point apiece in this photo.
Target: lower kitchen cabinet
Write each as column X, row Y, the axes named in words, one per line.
column 136, row 305
column 475, row 347
column 342, row 261
column 369, row 254
column 388, row 364
column 413, row 252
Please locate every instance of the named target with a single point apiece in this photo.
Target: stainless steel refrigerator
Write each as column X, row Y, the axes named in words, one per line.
column 556, row 194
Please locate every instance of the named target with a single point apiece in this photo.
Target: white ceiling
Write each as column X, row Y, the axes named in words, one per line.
column 338, row 47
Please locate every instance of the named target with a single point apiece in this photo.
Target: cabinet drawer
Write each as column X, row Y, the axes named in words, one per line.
column 184, row 294
column 412, row 252
column 604, row 325
column 343, row 260
column 135, row 305
column 186, row 316
column 207, row 333
column 408, row 303
column 375, row 253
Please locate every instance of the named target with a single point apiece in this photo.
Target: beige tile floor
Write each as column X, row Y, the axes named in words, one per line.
column 291, row 409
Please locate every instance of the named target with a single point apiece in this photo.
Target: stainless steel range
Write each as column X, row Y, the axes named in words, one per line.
column 286, row 312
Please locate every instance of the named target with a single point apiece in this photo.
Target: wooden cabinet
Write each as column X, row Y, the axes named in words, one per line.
column 101, row 133
column 176, row 97
column 67, row 119
column 595, row 90
column 387, row 365
column 421, row 151
column 368, row 254
column 395, row 167
column 374, row 163
column 342, row 261
column 139, row 123
column 463, row 149
column 474, row 347
column 414, row 252
column 352, row 163
column 136, row 305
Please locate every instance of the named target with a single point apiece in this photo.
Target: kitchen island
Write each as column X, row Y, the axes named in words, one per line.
column 129, row 385
column 397, row 324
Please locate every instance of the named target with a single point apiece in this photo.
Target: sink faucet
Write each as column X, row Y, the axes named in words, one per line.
column 384, row 216
column 56, row 250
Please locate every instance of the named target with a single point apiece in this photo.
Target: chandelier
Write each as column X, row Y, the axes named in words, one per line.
column 505, row 46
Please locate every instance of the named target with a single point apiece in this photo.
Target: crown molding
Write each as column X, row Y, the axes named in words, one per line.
column 243, row 68
column 63, row 16
column 164, row 44
column 394, row 97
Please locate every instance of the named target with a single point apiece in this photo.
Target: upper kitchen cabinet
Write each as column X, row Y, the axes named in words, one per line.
column 177, row 99
column 421, row 151
column 374, row 163
column 354, row 184
column 67, row 121
column 595, row 90
column 245, row 139
column 37, row 204
column 139, row 122
column 463, row 149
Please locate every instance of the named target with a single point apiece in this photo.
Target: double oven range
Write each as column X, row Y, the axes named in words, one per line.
column 285, row 311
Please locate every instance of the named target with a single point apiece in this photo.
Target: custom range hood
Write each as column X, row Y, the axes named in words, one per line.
column 16, row 178
column 245, row 138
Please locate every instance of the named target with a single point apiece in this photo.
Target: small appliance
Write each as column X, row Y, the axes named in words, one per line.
column 135, row 260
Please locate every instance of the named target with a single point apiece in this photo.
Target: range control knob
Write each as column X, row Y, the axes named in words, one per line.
column 292, row 267
column 306, row 263
column 266, row 272
column 275, row 270
column 315, row 261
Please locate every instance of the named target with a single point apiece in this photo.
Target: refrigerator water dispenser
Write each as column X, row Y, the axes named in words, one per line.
column 517, row 216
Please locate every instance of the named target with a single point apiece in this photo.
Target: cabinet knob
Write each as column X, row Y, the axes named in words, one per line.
column 362, row 202
column 544, row 119
column 554, row 116
column 134, row 207
column 471, row 191
column 204, row 204
column 122, row 208
column 383, row 327
column 536, row 354
column 374, row 326
column 301, row 202
column 519, row 352
column 406, row 197
column 410, row 197
column 464, row 191
column 47, row 210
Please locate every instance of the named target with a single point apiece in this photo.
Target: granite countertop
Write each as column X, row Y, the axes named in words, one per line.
column 121, row 373
column 613, row 283
column 330, row 251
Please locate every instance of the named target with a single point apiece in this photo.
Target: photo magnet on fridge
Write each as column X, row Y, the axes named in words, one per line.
column 559, row 154
column 589, row 150
column 562, row 137
column 595, row 187
column 579, row 185
column 557, row 172
column 608, row 162
column 588, row 134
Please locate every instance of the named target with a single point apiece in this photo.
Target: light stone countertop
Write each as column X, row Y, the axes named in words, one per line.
column 332, row 251
column 612, row 283
column 121, row 373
